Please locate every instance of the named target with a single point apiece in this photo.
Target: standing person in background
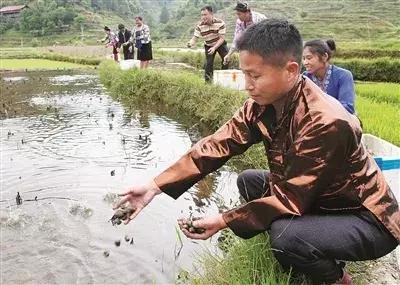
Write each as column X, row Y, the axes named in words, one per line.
column 245, row 18
column 333, row 80
column 111, row 40
column 141, row 39
column 213, row 31
column 123, row 41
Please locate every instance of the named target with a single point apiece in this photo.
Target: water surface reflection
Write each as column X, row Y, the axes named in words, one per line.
column 65, row 146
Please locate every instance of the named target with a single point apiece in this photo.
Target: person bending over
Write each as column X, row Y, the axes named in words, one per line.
column 324, row 198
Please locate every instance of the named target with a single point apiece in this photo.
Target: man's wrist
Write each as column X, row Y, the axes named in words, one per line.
column 152, row 186
column 221, row 222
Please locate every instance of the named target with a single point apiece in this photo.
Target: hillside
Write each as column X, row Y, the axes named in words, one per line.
column 343, row 20
column 371, row 22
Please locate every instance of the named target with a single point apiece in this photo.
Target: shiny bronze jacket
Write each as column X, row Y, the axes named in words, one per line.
column 315, row 155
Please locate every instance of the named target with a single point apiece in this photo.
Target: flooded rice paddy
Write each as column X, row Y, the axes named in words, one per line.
column 67, row 147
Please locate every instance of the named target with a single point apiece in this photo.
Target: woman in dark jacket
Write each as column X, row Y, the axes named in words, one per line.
column 127, row 48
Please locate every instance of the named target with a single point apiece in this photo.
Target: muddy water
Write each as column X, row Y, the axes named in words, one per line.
column 66, row 147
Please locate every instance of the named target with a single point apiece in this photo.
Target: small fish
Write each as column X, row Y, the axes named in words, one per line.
column 121, row 214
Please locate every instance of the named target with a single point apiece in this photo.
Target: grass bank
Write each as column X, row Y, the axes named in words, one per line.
column 37, row 64
column 40, row 54
column 377, row 103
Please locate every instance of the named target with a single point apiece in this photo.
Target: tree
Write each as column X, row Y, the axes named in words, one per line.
column 164, row 16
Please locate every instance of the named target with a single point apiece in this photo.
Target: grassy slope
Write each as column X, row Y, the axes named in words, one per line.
column 371, row 23
column 353, row 23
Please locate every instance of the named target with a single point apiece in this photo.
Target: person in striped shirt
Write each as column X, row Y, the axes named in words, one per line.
column 212, row 30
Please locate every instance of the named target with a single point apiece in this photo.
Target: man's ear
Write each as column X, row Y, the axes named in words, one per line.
column 293, row 70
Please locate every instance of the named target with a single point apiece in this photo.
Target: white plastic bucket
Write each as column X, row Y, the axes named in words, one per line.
column 388, row 156
column 231, row 78
column 129, row 64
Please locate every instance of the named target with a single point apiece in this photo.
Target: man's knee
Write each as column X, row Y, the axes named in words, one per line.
column 242, row 180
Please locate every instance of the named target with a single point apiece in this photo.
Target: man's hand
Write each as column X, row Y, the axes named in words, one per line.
column 202, row 228
column 227, row 59
column 211, row 50
column 139, row 197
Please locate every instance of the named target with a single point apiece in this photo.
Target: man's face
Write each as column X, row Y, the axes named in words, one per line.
column 243, row 16
column 266, row 83
column 206, row 16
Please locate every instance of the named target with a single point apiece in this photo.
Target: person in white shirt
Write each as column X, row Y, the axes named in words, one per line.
column 245, row 18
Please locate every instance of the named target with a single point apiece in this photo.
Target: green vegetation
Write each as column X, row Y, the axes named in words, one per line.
column 30, row 64
column 245, row 262
column 379, row 92
column 376, row 69
column 379, row 69
column 380, row 118
column 355, row 24
column 370, row 22
column 9, row 55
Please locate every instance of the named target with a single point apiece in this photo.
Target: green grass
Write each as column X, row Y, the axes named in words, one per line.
column 48, row 54
column 30, row 64
column 244, row 262
column 380, row 119
column 379, row 92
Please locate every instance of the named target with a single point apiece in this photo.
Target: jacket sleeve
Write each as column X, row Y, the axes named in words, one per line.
column 318, row 151
column 145, row 34
column 238, row 31
column 210, row 153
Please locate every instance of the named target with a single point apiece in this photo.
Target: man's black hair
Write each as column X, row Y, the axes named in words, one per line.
column 107, row 28
column 208, row 8
column 276, row 41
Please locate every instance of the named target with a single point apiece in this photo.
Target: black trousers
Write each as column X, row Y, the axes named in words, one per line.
column 313, row 244
column 209, row 66
column 128, row 51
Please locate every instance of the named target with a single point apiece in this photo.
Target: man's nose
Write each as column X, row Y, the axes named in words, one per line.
column 248, row 83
